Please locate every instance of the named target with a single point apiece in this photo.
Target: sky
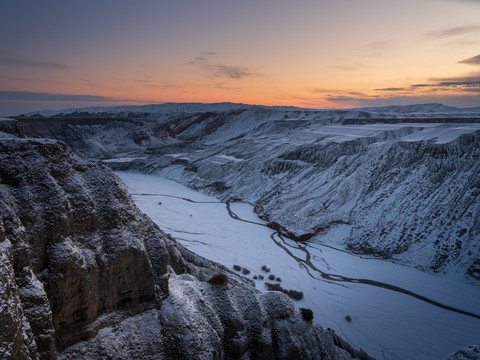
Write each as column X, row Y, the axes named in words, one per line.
column 59, row 54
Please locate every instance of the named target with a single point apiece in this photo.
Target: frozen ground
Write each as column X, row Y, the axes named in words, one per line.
column 396, row 310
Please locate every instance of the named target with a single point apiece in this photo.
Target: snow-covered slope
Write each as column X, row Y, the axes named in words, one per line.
column 403, row 179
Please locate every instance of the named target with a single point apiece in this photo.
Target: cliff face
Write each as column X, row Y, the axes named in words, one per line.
column 85, row 275
column 400, row 195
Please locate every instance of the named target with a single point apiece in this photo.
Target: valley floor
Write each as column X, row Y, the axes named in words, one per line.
column 397, row 312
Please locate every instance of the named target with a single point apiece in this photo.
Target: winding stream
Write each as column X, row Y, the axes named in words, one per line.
column 307, row 262
column 397, row 312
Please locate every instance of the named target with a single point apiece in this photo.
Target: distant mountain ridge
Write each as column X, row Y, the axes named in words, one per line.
column 163, row 107
column 431, row 109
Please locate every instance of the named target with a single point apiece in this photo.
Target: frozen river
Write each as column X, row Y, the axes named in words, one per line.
column 397, row 312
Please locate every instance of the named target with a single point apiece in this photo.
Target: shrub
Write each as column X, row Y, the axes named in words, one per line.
column 218, row 279
column 265, row 268
column 294, row 294
column 260, row 277
column 255, row 277
column 245, row 271
column 348, row 318
column 278, row 279
column 271, row 277
column 307, row 314
column 237, row 267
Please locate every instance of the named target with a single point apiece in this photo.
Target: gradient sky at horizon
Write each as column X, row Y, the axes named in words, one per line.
column 337, row 54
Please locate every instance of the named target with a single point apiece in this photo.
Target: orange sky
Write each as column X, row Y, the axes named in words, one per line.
column 336, row 54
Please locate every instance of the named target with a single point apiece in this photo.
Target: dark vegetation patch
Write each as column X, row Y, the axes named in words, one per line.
column 307, row 314
column 193, row 168
column 278, row 279
column 348, row 318
column 260, row 277
column 294, row 294
column 283, row 231
column 245, row 271
column 237, row 267
column 474, row 269
column 183, row 162
column 139, row 139
column 218, row 280
column 271, row 277
column 265, row 268
column 218, row 186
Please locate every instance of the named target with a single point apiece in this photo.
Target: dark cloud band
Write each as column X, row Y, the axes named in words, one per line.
column 222, row 71
column 471, row 61
column 32, row 63
column 39, row 96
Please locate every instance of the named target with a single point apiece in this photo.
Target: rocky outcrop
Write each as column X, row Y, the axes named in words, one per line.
column 471, row 352
column 85, row 275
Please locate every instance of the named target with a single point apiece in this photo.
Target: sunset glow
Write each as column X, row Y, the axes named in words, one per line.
column 315, row 54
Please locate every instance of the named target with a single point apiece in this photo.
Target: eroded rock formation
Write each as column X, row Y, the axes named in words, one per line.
column 85, row 275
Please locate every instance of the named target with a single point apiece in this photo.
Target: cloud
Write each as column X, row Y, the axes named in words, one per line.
column 376, row 49
column 32, row 63
column 471, row 80
column 356, row 93
column 170, row 85
column 39, row 96
column 469, row 100
column 346, row 68
column 419, row 85
column 319, row 90
column 476, row 2
column 460, row 83
column 296, row 97
column 144, row 81
column 454, row 31
column 223, row 87
column 378, row 46
column 222, row 71
column 471, row 61
column 339, row 98
column 463, row 42
column 391, row 89
column 327, row 91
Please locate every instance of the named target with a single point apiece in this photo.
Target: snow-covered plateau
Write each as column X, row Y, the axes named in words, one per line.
column 388, row 196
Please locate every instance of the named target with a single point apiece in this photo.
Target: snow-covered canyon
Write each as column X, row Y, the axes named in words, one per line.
column 385, row 322
column 385, row 200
